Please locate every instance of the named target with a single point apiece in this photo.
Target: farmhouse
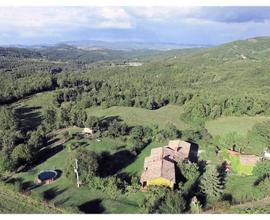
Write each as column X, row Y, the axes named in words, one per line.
column 159, row 167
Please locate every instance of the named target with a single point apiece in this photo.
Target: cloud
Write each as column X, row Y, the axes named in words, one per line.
column 33, row 21
column 234, row 14
column 176, row 24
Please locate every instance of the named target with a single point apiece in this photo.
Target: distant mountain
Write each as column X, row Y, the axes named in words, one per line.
column 17, row 52
column 125, row 45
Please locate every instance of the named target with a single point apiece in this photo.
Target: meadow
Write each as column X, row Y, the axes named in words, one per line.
column 230, row 124
column 169, row 114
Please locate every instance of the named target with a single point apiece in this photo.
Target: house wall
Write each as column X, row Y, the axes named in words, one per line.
column 160, row 182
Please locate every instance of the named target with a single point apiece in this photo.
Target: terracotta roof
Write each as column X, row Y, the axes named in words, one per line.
column 233, row 153
column 249, row 159
column 160, row 168
column 181, row 148
column 161, row 162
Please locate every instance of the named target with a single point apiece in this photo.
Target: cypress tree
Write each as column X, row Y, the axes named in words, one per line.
column 211, row 185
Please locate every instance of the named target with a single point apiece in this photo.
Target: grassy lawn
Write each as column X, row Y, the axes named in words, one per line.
column 139, row 116
column 13, row 202
column 225, row 125
column 105, row 144
column 63, row 192
column 242, row 188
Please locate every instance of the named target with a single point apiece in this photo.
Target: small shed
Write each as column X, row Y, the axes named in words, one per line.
column 266, row 154
column 88, row 131
column 248, row 160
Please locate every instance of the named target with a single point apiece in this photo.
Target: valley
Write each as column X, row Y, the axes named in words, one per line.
column 216, row 99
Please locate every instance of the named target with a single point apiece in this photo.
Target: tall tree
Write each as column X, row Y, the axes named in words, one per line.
column 173, row 203
column 211, row 185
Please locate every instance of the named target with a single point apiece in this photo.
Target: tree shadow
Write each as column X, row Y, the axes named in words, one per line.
column 106, row 121
column 28, row 118
column 59, row 173
column 110, row 119
column 110, row 164
column 227, row 197
column 222, row 172
column 52, row 141
column 61, row 201
column 202, row 166
column 93, row 206
column 51, row 193
column 42, row 156
column 193, row 153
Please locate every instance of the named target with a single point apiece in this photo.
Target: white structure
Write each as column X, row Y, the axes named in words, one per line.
column 266, row 154
column 88, row 131
column 134, row 64
column 77, row 173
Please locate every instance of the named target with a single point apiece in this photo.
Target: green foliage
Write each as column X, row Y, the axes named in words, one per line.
column 21, row 154
column 263, row 131
column 111, row 186
column 50, row 116
column 195, row 206
column 173, row 203
column 264, row 185
column 211, row 185
column 262, row 169
column 135, row 185
column 190, row 172
column 87, row 164
column 153, row 199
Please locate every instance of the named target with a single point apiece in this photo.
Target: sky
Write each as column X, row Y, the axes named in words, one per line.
column 181, row 25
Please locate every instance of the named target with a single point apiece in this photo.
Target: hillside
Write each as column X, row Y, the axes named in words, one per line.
column 12, row 202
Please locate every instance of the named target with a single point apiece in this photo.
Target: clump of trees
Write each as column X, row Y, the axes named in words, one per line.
column 211, row 185
column 163, row 200
column 87, row 163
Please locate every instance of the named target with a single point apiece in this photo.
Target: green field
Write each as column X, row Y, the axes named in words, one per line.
column 139, row 116
column 13, row 202
column 240, row 125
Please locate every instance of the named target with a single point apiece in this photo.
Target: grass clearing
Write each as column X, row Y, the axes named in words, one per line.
column 139, row 116
column 240, row 125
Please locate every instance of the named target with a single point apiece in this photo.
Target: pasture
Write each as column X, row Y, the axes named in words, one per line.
column 226, row 125
column 169, row 114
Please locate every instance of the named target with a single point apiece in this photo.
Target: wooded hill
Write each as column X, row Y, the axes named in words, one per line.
column 231, row 79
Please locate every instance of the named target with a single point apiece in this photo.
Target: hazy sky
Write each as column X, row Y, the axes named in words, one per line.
column 185, row 25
